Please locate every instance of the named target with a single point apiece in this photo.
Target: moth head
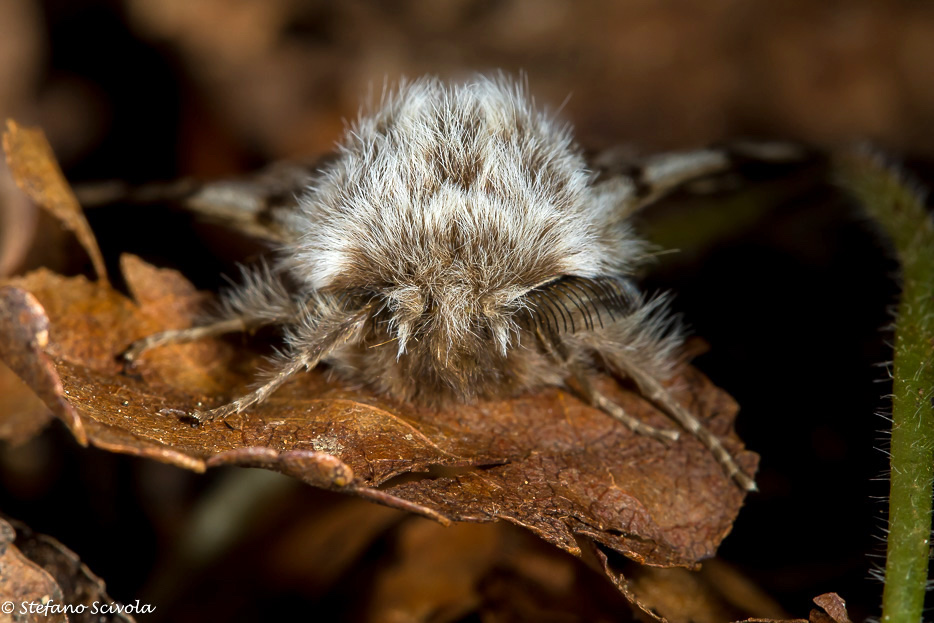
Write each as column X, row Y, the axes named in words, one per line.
column 451, row 310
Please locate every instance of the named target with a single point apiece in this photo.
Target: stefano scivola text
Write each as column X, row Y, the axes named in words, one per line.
column 50, row 606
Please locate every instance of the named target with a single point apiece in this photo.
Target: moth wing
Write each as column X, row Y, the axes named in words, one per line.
column 637, row 181
column 257, row 204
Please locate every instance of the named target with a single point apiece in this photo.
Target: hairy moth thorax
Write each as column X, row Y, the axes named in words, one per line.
column 457, row 248
column 448, row 205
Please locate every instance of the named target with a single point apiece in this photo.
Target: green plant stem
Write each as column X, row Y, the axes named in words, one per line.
column 899, row 211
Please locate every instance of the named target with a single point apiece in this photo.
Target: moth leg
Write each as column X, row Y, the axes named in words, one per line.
column 306, row 351
column 654, row 391
column 262, row 298
column 597, row 399
column 257, row 395
column 180, row 336
column 615, row 411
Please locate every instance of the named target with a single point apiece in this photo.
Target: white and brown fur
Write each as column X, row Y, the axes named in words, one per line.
column 458, row 248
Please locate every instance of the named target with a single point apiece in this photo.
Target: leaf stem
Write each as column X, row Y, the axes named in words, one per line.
column 898, row 209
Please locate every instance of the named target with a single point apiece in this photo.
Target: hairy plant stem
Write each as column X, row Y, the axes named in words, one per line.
column 899, row 211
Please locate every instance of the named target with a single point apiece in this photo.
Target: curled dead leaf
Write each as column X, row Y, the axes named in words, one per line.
column 38, row 571
column 833, row 610
column 36, row 172
column 834, row 607
column 22, row 580
column 23, row 414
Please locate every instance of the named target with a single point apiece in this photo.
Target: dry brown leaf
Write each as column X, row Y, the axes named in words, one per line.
column 314, row 552
column 436, row 574
column 22, row 414
column 545, row 461
column 485, row 572
column 835, row 609
column 24, row 581
column 36, row 171
column 38, row 571
column 714, row 593
column 734, row 587
column 18, row 223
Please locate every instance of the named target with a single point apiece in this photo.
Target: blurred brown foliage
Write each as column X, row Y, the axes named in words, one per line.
column 40, row 571
column 156, row 89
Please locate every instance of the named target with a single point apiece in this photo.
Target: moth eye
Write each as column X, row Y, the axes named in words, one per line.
column 570, row 304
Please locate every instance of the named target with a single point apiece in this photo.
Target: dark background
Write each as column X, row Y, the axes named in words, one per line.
column 792, row 301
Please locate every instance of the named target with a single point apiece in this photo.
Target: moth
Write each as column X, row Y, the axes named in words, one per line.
column 457, row 247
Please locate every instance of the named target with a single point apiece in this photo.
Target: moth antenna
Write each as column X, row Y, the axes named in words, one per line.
column 541, row 302
column 554, row 317
column 602, row 292
column 587, row 302
column 593, row 297
column 534, row 319
column 554, row 300
column 565, row 288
